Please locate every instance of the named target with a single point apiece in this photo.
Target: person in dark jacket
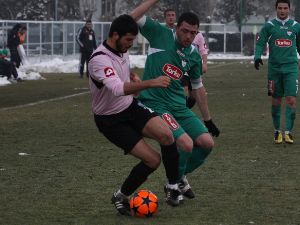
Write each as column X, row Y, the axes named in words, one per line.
column 87, row 42
column 8, row 68
column 14, row 39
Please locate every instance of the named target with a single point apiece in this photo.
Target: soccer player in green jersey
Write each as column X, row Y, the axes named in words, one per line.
column 173, row 55
column 283, row 36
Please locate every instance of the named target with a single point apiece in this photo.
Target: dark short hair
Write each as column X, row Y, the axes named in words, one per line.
column 122, row 25
column 88, row 21
column 23, row 27
column 282, row 1
column 188, row 17
column 168, row 10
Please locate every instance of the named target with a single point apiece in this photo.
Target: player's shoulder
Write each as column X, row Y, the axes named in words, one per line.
column 271, row 23
column 194, row 51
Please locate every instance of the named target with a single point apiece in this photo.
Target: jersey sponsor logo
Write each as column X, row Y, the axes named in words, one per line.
column 172, row 71
column 171, row 122
column 108, row 71
column 283, row 43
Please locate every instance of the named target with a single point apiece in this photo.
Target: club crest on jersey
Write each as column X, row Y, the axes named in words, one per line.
column 289, row 33
column 108, row 71
column 283, row 43
column 171, row 122
column 183, row 63
column 172, row 71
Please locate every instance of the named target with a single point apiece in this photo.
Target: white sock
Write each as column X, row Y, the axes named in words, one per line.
column 172, row 186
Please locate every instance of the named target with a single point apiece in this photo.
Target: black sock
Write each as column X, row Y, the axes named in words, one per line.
column 137, row 176
column 170, row 158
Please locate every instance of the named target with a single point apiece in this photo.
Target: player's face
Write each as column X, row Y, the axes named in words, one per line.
column 282, row 11
column 186, row 33
column 170, row 18
column 89, row 25
column 125, row 42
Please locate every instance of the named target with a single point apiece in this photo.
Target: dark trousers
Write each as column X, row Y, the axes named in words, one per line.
column 14, row 57
column 8, row 68
column 85, row 55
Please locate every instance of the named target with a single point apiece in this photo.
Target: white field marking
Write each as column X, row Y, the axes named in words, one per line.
column 43, row 101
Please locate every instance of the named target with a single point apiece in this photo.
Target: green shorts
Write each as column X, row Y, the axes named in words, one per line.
column 180, row 121
column 283, row 80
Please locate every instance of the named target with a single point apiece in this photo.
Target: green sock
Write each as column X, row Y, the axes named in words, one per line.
column 183, row 159
column 290, row 115
column 276, row 111
column 197, row 159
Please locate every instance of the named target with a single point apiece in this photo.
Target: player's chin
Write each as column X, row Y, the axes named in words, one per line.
column 186, row 44
column 125, row 49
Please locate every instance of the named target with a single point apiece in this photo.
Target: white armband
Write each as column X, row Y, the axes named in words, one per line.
column 196, row 84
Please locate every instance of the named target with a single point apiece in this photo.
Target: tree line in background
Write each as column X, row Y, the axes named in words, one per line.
column 224, row 11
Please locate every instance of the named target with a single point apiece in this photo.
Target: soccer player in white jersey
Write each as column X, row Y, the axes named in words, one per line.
column 123, row 120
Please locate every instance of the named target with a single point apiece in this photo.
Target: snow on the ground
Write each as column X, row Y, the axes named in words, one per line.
column 37, row 65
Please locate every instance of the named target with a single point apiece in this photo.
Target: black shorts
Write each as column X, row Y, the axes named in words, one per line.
column 124, row 129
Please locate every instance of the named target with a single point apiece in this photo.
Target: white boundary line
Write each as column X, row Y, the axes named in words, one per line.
column 75, row 95
column 43, row 101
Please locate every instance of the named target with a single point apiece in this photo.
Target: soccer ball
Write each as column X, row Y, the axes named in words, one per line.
column 143, row 204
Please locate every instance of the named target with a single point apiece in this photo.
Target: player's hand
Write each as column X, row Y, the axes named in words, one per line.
column 161, row 81
column 190, row 101
column 257, row 62
column 204, row 68
column 212, row 128
column 135, row 78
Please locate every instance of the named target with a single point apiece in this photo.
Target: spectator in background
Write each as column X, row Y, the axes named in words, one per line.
column 15, row 39
column 8, row 68
column 86, row 39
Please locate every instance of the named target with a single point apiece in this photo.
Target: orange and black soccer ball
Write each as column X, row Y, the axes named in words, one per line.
column 143, row 204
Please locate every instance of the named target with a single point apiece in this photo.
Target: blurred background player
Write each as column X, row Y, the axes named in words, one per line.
column 199, row 43
column 122, row 119
column 170, row 18
column 87, row 42
column 15, row 40
column 283, row 36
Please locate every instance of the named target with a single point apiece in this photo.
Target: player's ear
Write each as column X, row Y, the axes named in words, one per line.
column 115, row 36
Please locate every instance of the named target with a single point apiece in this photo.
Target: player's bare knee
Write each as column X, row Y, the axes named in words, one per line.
column 185, row 144
column 205, row 141
column 166, row 138
column 291, row 101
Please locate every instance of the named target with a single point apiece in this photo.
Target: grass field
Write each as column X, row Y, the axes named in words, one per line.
column 55, row 168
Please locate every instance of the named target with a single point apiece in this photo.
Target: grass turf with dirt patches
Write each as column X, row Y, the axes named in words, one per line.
column 69, row 171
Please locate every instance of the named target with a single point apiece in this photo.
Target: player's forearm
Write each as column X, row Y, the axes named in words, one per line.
column 201, row 99
column 204, row 58
column 139, row 11
column 133, row 87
